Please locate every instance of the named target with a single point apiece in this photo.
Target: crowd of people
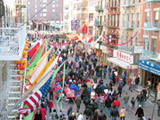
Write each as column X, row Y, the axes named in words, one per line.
column 93, row 84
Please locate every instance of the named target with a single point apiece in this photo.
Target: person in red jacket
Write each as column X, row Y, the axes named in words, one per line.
column 43, row 112
column 116, row 103
column 50, row 105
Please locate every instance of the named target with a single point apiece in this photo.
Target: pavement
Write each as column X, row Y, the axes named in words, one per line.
column 130, row 114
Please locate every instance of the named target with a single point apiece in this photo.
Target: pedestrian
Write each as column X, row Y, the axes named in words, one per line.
column 137, row 81
column 108, row 103
column 158, row 110
column 139, row 113
column 87, row 112
column 54, row 115
column 102, row 115
column 149, row 88
column 50, row 105
column 120, row 89
column 138, row 98
column 144, row 92
column 38, row 115
column 69, row 110
column 43, row 112
column 80, row 117
column 133, row 102
column 105, row 71
column 116, row 103
column 126, row 99
column 114, row 113
column 122, row 113
column 78, row 102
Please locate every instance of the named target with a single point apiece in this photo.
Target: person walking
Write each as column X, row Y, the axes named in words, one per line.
column 102, row 115
column 80, row 117
column 108, row 103
column 114, row 113
column 78, row 102
column 122, row 113
column 139, row 113
column 133, row 102
column 38, row 115
column 116, row 103
column 43, row 112
column 126, row 99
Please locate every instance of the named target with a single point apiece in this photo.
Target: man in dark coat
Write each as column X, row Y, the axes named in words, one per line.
column 78, row 102
column 139, row 112
column 108, row 103
column 114, row 113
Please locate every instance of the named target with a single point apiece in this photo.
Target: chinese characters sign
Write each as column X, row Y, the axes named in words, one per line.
column 123, row 56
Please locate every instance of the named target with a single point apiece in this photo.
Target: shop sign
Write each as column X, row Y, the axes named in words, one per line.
column 149, row 67
column 123, row 56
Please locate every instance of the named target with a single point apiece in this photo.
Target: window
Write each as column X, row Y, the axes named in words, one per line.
column 137, row 19
column 146, row 44
column 44, row 14
column 122, row 41
column 133, row 1
column 127, row 19
column 136, row 41
column 132, row 20
column 117, row 20
column 114, row 20
column 53, row 15
column 123, row 19
column 35, row 10
column 146, row 17
column 44, row 10
column 53, row 6
column 156, row 16
column 35, row 6
column 53, row 10
column 154, row 42
column 139, row 1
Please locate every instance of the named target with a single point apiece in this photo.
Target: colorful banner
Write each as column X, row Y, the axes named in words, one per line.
column 60, row 44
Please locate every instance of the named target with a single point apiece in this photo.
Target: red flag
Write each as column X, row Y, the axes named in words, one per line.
column 84, row 29
column 33, row 50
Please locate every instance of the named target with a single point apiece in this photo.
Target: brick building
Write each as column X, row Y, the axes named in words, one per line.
column 49, row 17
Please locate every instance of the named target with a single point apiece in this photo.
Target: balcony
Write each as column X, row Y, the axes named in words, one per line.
column 20, row 3
column 152, row 0
column 99, row 9
column 126, row 26
column 152, row 26
column 151, row 55
column 129, row 5
column 98, row 24
column 12, row 41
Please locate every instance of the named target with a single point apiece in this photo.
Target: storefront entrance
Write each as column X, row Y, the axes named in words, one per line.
column 155, row 79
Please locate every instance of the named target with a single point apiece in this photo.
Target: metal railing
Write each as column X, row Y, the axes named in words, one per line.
column 98, row 24
column 98, row 8
column 126, row 25
column 152, row 0
column 12, row 41
column 152, row 26
column 151, row 55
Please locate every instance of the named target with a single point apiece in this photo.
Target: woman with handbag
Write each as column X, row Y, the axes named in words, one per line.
column 122, row 113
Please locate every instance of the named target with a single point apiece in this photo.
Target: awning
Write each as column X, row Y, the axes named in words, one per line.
column 122, row 63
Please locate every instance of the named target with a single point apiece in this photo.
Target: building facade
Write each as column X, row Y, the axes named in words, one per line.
column 150, row 35
column 49, row 18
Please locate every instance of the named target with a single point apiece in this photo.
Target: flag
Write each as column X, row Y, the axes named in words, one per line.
column 33, row 50
column 33, row 102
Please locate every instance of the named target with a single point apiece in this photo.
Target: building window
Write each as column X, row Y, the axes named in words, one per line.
column 117, row 20
column 132, row 20
column 123, row 19
column 44, row 14
column 136, row 41
column 114, row 20
column 147, row 17
column 127, row 19
column 53, row 10
column 146, row 44
column 44, row 10
column 104, row 19
column 154, row 42
column 122, row 41
column 133, row 1
column 139, row 1
column 156, row 16
column 138, row 20
column 53, row 14
column 127, row 39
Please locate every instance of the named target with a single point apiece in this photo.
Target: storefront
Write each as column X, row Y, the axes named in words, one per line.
column 124, row 62
column 150, row 71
